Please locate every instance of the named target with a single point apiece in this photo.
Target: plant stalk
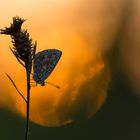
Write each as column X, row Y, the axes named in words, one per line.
column 28, row 102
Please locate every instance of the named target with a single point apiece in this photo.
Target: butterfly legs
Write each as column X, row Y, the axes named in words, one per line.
column 34, row 84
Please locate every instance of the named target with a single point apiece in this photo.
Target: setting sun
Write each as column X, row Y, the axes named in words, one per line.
column 54, row 24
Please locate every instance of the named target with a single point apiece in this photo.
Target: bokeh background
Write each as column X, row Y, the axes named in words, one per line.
column 98, row 72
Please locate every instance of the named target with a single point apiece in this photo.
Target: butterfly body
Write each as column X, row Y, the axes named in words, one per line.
column 44, row 63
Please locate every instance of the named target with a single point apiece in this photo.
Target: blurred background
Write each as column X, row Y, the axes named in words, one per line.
column 99, row 72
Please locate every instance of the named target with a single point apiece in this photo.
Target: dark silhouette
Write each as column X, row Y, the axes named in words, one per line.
column 24, row 50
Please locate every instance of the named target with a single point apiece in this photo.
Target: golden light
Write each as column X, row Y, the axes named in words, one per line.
column 81, row 72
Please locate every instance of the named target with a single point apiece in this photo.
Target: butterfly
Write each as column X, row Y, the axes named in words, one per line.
column 43, row 65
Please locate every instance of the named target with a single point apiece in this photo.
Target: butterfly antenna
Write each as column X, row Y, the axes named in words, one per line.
column 53, row 85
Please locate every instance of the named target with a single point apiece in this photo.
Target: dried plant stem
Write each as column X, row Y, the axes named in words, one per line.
column 24, row 50
column 28, row 102
column 16, row 87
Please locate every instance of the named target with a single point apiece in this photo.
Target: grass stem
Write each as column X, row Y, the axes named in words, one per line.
column 28, row 103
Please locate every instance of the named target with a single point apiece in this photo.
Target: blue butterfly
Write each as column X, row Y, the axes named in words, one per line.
column 44, row 63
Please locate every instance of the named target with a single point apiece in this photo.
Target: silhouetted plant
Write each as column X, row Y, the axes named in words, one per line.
column 24, row 50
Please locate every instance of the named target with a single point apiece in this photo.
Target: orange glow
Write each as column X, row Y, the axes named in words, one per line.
column 81, row 72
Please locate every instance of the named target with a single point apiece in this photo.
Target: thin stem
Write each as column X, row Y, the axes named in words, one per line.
column 28, row 103
column 17, row 57
column 16, row 87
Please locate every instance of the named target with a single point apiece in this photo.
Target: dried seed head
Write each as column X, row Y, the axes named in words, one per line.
column 23, row 48
column 15, row 26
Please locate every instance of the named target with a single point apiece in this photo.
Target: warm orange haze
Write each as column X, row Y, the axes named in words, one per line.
column 81, row 32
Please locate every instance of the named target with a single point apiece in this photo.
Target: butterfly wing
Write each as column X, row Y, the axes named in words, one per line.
column 44, row 63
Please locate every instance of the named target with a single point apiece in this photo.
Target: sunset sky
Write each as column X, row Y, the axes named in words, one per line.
column 99, row 71
column 67, row 26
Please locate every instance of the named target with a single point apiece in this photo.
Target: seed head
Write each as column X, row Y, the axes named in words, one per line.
column 15, row 26
column 23, row 48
